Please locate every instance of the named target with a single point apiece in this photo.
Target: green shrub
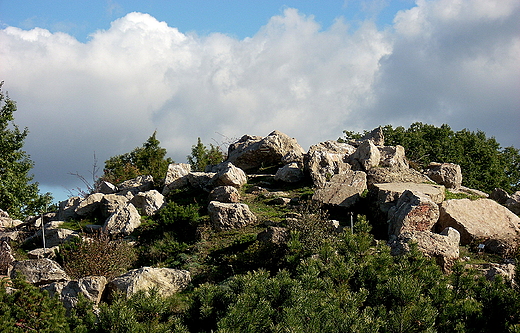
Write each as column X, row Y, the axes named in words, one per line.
column 96, row 256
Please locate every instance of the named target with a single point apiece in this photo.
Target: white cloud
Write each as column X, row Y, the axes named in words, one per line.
column 453, row 62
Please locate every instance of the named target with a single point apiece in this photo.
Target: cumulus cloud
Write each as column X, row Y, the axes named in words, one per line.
column 443, row 61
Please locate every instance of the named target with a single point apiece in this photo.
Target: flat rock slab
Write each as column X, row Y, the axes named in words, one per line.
column 388, row 192
column 342, row 190
column 481, row 219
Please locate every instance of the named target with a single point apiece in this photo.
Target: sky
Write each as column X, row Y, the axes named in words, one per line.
column 94, row 79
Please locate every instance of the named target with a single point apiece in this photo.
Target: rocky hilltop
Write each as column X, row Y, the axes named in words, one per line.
column 405, row 206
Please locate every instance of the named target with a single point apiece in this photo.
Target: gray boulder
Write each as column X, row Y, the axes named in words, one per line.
column 376, row 136
column 513, row 203
column 327, row 159
column 274, row 236
column 444, row 246
column 39, row 271
column 414, row 211
column 90, row 205
column 201, row 180
column 365, row 157
column 226, row 174
column 393, row 157
column 6, row 257
column 105, row 187
column 227, row 194
column 343, row 190
column 447, row 174
column 111, row 202
column 67, row 209
column 395, row 175
column 91, row 287
column 53, row 236
column 289, row 173
column 139, row 184
column 499, row 195
column 176, row 177
column 479, row 220
column 252, row 152
column 167, row 281
column 388, row 192
column 6, row 221
column 148, row 202
column 227, row 216
column 123, row 221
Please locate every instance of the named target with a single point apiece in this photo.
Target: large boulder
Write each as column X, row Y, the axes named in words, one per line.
column 274, row 236
column 389, row 192
column 343, row 190
column 148, row 202
column 139, row 184
column 252, row 152
column 53, row 237
column 90, row 205
column 479, row 220
column 289, row 173
column 201, row 180
column 376, row 136
column 393, row 157
column 167, row 281
column 6, row 257
column 111, row 202
column 176, row 177
column 513, row 203
column 327, row 159
column 226, row 174
column 499, row 195
column 104, row 187
column 226, row 216
column 414, row 211
column 444, row 246
column 67, row 208
column 39, row 271
column 447, row 174
column 123, row 221
column 227, row 194
column 395, row 175
column 365, row 157
column 91, row 287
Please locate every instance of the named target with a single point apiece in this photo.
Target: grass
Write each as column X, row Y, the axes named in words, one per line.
column 450, row 195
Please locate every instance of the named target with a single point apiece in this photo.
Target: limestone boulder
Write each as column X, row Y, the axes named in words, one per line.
column 53, row 237
column 7, row 222
column 67, row 208
column 139, row 184
column 6, row 257
column 47, row 252
column 414, row 211
column 343, row 190
column 39, row 271
column 226, row 174
column 104, row 187
column 365, row 157
column 389, row 192
column 274, row 235
column 393, row 157
column 499, row 195
column 176, row 177
column 227, row 194
column 252, row 152
column 289, row 173
column 395, row 175
column 148, row 202
column 444, row 246
column 201, row 180
column 376, row 136
column 479, row 220
column 110, row 202
column 91, row 287
column 167, row 281
column 227, row 216
column 90, row 205
column 513, row 203
column 447, row 174
column 123, row 221
column 327, row 159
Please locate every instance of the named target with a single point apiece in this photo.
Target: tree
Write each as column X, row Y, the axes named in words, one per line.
column 201, row 156
column 146, row 160
column 19, row 196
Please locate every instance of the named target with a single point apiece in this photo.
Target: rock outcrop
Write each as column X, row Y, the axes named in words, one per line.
column 447, row 174
column 39, row 271
column 414, row 211
column 343, row 190
column 327, row 159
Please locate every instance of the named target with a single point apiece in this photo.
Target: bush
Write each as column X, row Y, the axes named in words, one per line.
column 97, row 256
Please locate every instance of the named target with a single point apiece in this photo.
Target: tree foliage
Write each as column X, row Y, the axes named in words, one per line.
column 485, row 164
column 202, row 156
column 19, row 195
column 146, row 160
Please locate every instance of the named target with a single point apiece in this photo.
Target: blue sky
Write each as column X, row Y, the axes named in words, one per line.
column 97, row 78
column 238, row 18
